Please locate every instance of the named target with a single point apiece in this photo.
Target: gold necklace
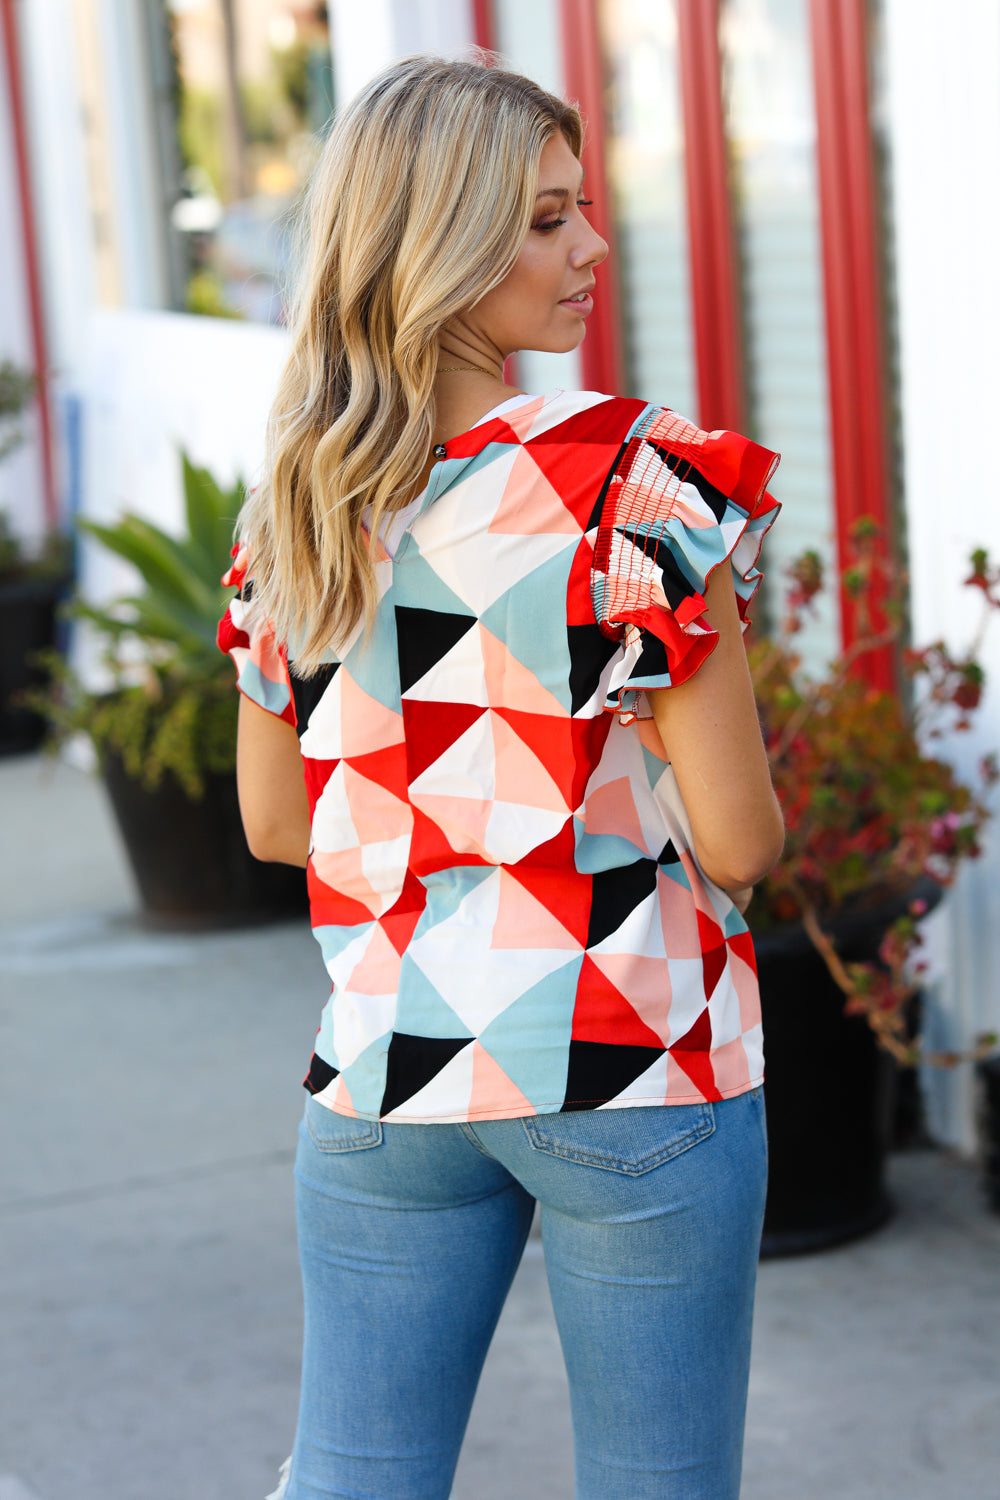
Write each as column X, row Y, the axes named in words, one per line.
column 442, row 369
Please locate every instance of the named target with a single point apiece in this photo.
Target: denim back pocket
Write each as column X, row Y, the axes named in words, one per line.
column 632, row 1140
column 330, row 1131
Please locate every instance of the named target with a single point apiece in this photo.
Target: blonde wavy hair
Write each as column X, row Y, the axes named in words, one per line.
column 419, row 206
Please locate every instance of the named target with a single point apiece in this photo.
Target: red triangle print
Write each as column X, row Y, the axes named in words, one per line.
column 386, row 768
column 741, row 943
column 400, row 923
column 431, row 727
column 317, row 773
column 328, row 908
column 550, row 741
column 698, row 1067
column 698, row 1038
column 714, row 956
column 602, row 1014
column 548, row 874
column 714, row 966
column 691, row 1052
column 430, row 849
column 602, row 427
column 579, row 597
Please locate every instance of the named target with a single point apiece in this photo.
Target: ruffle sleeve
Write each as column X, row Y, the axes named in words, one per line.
column 261, row 663
column 678, row 503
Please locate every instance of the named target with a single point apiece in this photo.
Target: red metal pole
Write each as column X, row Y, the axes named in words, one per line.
column 29, row 242
column 601, row 352
column 715, row 290
column 484, row 25
column 852, row 291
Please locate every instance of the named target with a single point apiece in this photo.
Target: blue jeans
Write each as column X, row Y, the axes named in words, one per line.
column 410, row 1235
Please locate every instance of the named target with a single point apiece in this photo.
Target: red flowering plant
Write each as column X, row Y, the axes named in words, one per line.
column 868, row 806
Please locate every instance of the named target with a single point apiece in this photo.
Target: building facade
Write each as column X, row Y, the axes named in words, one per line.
column 802, row 199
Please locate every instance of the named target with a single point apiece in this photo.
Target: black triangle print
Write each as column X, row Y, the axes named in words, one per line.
column 598, row 510
column 598, row 1071
column 423, row 637
column 412, row 1062
column 668, row 854
column 307, row 691
column 590, row 650
column 616, row 894
column 319, row 1075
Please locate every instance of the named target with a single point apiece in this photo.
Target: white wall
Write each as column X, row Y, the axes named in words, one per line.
column 367, row 38
column 944, row 122
column 154, row 383
column 157, row 382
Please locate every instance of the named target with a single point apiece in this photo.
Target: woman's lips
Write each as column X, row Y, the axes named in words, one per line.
column 584, row 305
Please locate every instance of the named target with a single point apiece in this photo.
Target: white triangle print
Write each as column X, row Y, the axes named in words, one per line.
column 359, row 1020
column 514, row 830
column 475, row 979
column 465, row 769
column 476, row 564
column 332, row 825
column 446, row 1096
column 459, row 677
column 649, row 1085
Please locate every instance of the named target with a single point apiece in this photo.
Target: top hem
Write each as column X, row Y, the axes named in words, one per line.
column 467, row 1116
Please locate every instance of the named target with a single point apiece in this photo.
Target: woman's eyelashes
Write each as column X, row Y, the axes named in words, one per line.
column 548, row 224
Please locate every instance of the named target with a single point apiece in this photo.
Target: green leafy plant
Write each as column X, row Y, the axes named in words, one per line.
column 17, row 387
column 172, row 706
column 51, row 559
column 868, row 806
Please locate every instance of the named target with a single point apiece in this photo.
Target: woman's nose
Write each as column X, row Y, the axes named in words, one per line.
column 591, row 250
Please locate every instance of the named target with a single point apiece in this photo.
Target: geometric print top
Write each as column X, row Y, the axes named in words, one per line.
column 501, row 876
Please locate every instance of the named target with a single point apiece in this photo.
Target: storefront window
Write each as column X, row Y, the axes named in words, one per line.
column 770, row 121
column 254, row 93
column 645, row 163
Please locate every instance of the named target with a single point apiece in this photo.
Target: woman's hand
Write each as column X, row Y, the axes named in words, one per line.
column 272, row 789
column 710, row 731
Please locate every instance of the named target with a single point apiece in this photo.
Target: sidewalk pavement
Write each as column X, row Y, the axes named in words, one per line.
column 149, row 1096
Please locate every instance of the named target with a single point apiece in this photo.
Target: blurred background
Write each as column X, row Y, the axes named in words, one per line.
column 802, row 199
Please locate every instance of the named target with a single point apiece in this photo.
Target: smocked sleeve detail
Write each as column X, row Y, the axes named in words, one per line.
column 261, row 663
column 679, row 502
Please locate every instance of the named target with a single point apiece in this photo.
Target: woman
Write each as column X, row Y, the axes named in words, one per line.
column 494, row 689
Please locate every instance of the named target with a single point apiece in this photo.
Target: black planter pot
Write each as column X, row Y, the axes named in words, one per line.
column 27, row 624
column 988, row 1080
column 829, row 1088
column 191, row 860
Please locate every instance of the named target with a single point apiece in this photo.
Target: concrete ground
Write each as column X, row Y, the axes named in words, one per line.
column 149, row 1095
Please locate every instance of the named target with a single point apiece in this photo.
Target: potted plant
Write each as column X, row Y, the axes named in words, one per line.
column 165, row 729
column 876, row 825
column 31, row 584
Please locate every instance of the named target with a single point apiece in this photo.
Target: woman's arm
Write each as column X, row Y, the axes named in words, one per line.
column 272, row 788
column 709, row 728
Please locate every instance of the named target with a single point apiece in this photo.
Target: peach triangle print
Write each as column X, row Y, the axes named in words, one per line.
column 342, row 1099
column 510, row 684
column 493, row 1093
column 530, row 504
column 521, row 778
column 523, row 922
column 611, row 809
column 377, row 971
column 646, row 982
column 366, row 724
